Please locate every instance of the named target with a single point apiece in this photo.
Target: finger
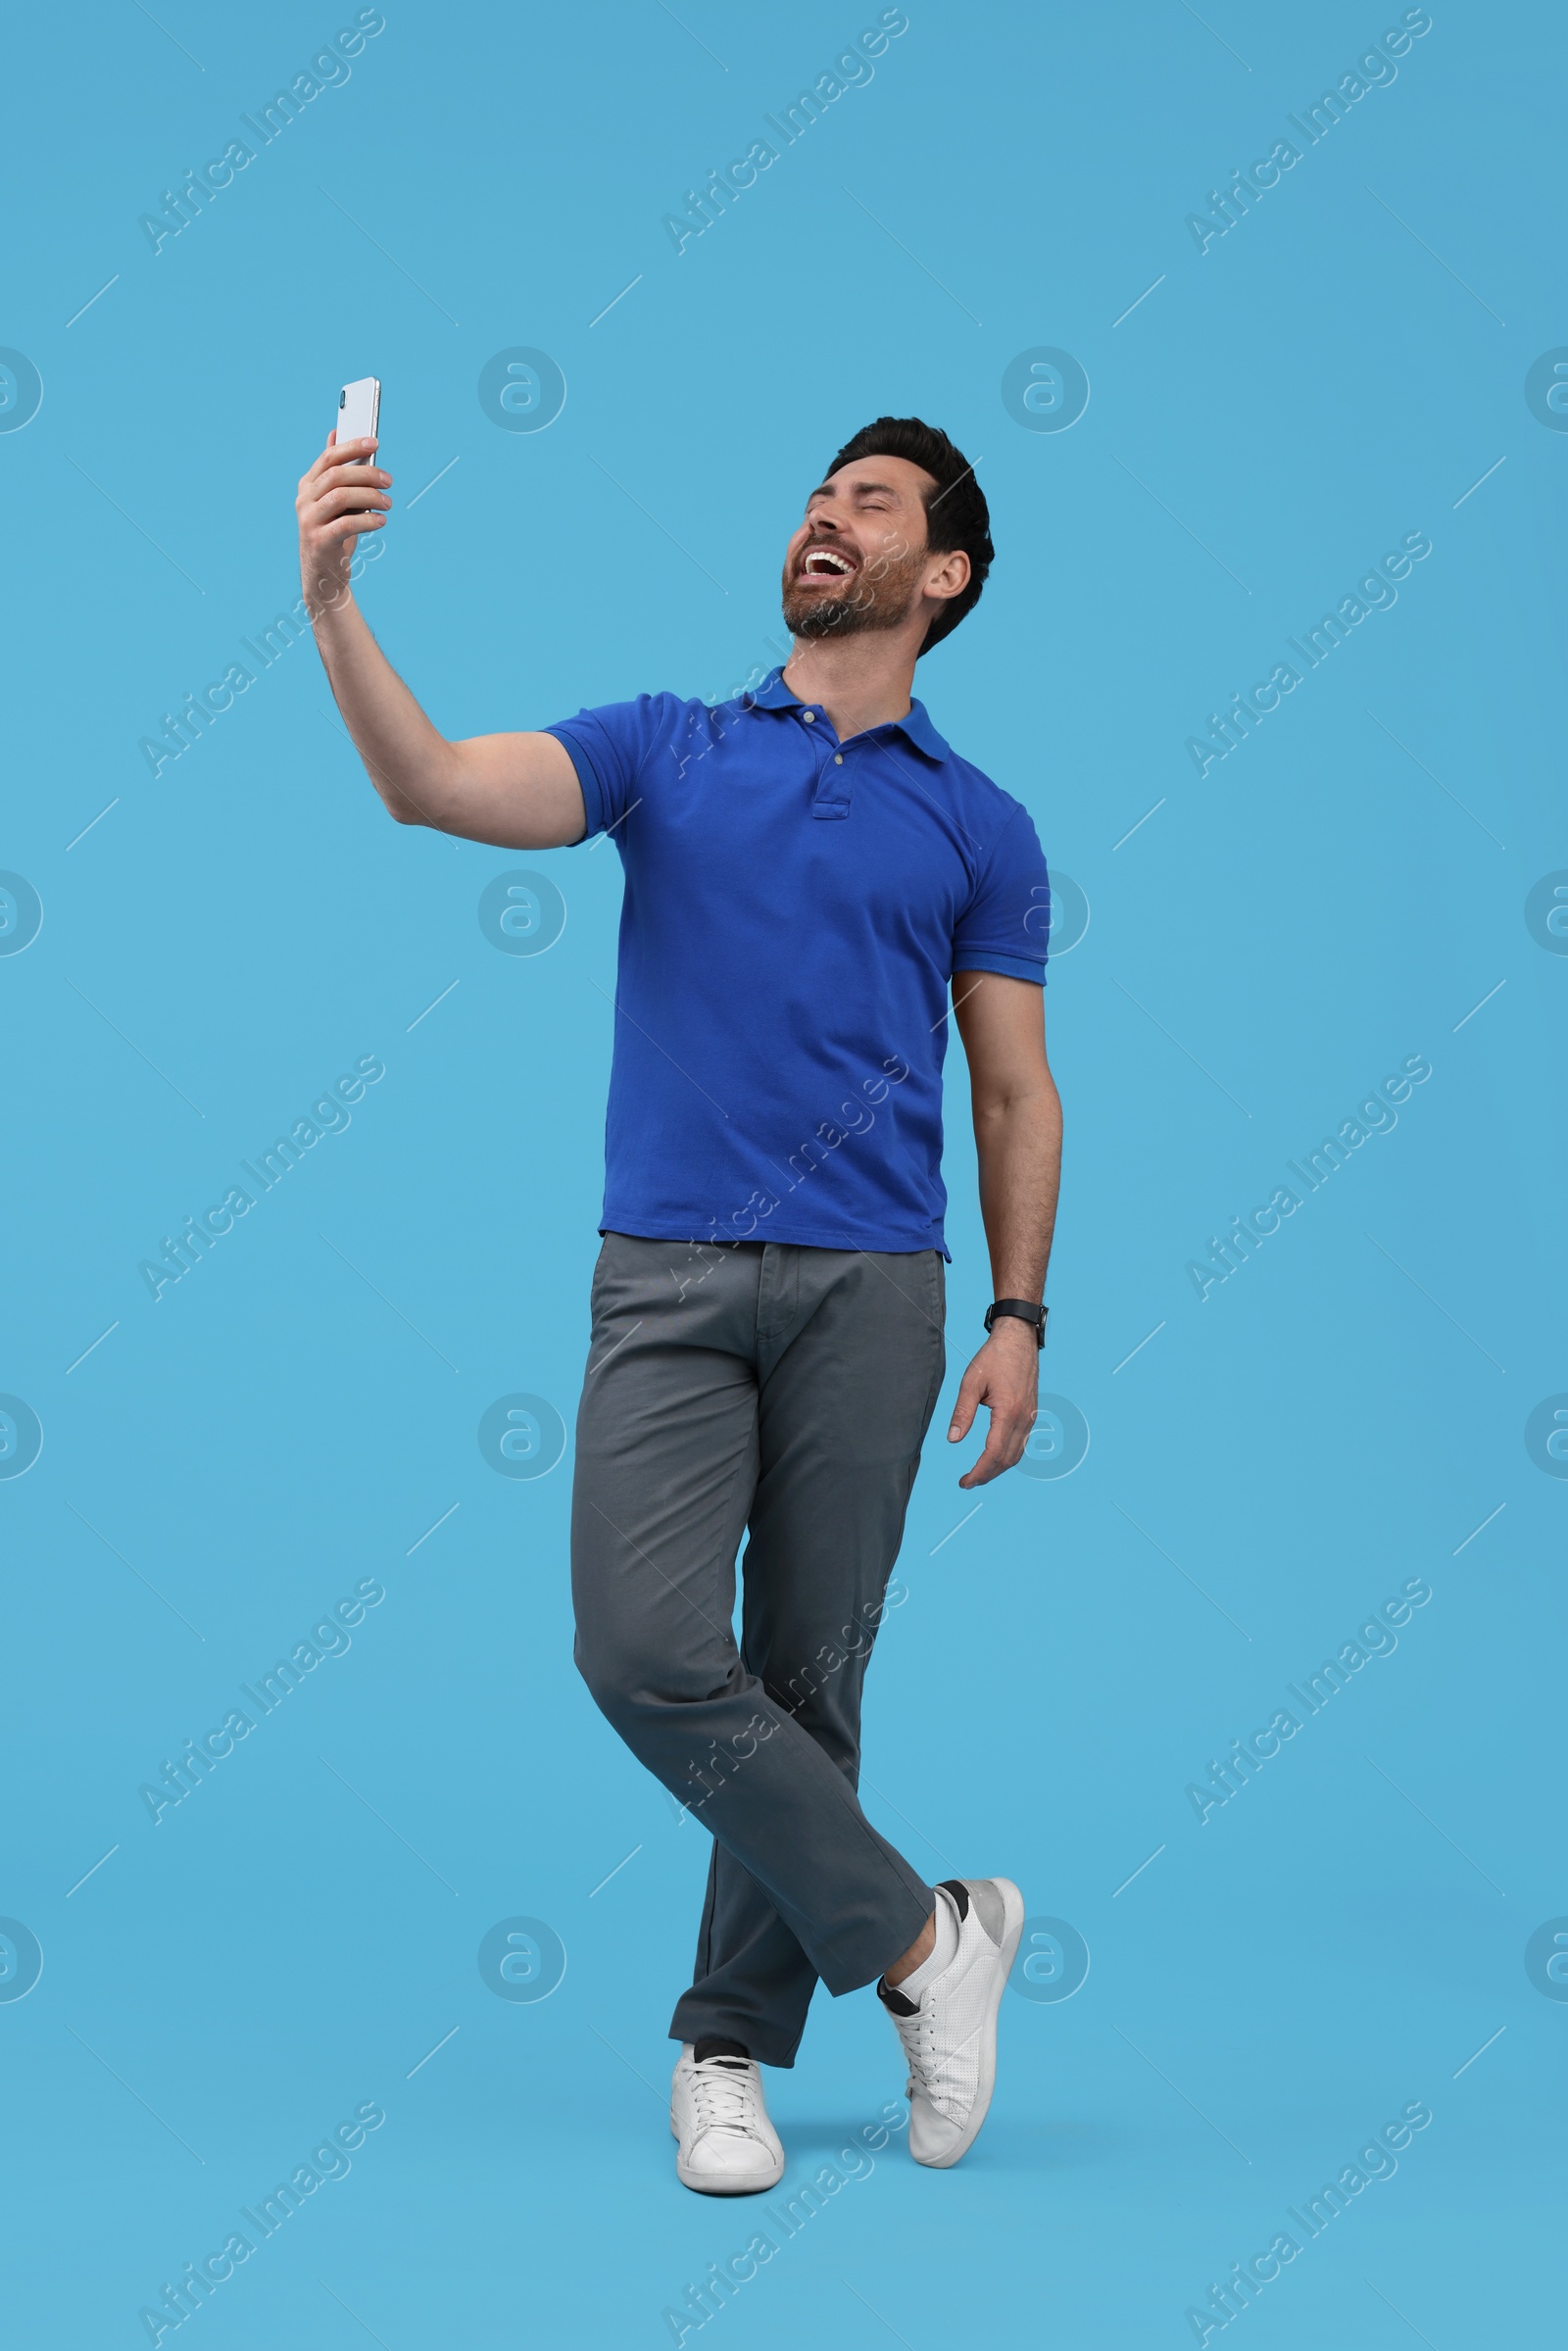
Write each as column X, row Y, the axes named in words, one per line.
column 328, row 496
column 337, row 495
column 347, row 527
column 370, row 477
column 971, row 1392
column 357, row 453
column 990, row 1464
column 346, row 462
column 1003, row 1446
column 1007, row 1439
column 329, row 456
column 351, row 499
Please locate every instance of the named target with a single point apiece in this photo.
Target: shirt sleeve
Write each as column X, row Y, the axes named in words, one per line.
column 1007, row 923
column 610, row 749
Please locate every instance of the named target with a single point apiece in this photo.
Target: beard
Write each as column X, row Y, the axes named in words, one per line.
column 879, row 596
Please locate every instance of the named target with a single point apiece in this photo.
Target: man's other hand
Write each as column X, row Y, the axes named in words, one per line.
column 1005, row 1376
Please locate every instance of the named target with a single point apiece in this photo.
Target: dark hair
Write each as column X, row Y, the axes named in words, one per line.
column 955, row 514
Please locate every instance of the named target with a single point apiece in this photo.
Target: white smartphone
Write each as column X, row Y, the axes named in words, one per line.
column 359, row 410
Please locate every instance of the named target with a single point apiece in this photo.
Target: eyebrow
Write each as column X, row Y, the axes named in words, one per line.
column 858, row 489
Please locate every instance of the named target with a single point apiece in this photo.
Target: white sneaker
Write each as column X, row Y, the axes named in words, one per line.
column 725, row 2143
column 950, row 2037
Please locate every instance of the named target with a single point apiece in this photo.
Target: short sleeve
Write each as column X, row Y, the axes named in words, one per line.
column 610, row 749
column 1005, row 925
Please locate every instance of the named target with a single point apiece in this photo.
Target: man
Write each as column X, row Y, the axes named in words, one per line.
column 806, row 868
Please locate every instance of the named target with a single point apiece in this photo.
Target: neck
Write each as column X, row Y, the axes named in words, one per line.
column 861, row 681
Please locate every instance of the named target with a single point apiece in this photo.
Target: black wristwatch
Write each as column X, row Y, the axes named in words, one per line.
column 1025, row 1310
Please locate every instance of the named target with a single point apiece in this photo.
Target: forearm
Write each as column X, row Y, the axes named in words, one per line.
column 1018, row 1144
column 410, row 763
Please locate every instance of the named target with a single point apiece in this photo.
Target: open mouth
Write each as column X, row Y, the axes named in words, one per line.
column 826, row 564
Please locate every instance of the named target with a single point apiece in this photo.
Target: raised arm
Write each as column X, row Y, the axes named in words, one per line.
column 1017, row 1132
column 516, row 791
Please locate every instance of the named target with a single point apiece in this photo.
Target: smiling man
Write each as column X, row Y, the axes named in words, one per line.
column 807, row 870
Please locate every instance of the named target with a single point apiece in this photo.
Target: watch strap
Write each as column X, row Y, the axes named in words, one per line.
column 1026, row 1309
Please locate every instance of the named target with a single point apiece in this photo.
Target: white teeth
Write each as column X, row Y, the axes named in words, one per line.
column 822, row 563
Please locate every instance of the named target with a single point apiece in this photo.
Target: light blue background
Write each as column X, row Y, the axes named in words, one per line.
column 1338, row 1417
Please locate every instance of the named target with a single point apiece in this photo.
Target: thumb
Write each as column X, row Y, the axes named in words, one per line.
column 965, row 1407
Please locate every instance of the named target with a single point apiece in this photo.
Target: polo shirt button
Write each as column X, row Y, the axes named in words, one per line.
column 838, row 758
column 811, row 717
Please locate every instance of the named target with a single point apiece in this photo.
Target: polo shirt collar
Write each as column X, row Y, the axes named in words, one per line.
column 774, row 695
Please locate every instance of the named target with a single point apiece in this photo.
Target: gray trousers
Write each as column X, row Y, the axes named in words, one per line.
column 784, row 1394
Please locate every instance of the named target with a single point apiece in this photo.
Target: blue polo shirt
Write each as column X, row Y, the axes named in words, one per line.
column 793, row 911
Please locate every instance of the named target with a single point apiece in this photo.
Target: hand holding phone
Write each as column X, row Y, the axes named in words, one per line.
column 342, row 496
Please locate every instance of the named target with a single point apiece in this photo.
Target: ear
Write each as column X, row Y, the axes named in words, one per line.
column 948, row 576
